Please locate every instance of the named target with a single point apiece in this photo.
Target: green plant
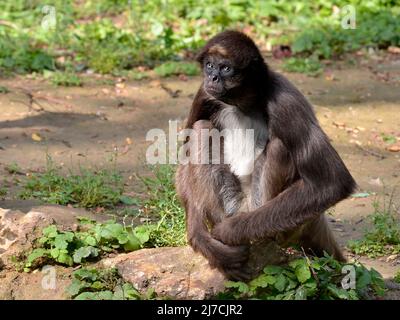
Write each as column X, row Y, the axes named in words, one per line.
column 383, row 238
column 307, row 279
column 3, row 192
column 388, row 138
column 163, row 203
column 66, row 79
column 89, row 189
column 397, row 277
column 94, row 284
column 88, row 243
column 133, row 33
column 310, row 66
column 4, row 90
column 176, row 68
column 12, row 168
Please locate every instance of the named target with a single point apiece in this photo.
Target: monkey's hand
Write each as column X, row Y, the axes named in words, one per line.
column 230, row 231
column 231, row 260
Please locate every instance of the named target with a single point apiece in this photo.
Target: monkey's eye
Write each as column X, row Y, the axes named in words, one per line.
column 226, row 68
column 209, row 65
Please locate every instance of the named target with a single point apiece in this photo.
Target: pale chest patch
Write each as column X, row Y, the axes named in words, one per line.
column 245, row 138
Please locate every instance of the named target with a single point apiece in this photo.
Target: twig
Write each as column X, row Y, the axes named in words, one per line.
column 309, row 263
column 172, row 93
column 372, row 153
column 33, row 99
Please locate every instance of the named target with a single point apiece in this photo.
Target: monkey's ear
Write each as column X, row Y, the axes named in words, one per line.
column 201, row 55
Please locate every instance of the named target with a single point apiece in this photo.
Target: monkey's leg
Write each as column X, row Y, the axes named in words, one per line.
column 201, row 189
column 317, row 237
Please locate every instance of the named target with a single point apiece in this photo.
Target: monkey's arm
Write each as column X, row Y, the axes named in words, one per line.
column 203, row 108
column 323, row 178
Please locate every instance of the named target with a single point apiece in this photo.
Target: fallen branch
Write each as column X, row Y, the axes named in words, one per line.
column 372, row 153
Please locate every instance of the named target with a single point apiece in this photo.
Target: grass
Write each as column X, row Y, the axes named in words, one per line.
column 66, row 79
column 310, row 66
column 3, row 192
column 397, row 277
column 12, row 168
column 162, row 202
column 4, row 90
column 383, row 238
column 89, row 189
column 104, row 188
column 176, row 68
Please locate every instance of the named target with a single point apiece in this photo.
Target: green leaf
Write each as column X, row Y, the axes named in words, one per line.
column 65, row 258
column 303, row 273
column 262, row 281
column 60, row 241
column 291, row 284
column 55, row 253
column 132, row 244
column 50, row 231
column 43, row 240
column 280, row 283
column 98, row 285
column 128, row 200
column 338, row 292
column 122, row 238
column 239, row 285
column 37, row 253
column 302, row 269
column 87, row 296
column 76, row 287
column 128, row 292
column 105, row 295
column 142, row 233
column 115, row 228
column 84, row 252
column 90, row 240
column 86, row 274
column 363, row 279
column 272, row 270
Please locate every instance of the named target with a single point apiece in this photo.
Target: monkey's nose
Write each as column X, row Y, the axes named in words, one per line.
column 215, row 79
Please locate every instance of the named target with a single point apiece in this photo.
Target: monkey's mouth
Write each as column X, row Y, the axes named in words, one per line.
column 215, row 90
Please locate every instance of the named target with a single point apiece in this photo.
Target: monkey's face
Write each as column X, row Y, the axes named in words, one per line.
column 220, row 76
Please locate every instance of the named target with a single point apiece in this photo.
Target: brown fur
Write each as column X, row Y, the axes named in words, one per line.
column 298, row 176
column 217, row 49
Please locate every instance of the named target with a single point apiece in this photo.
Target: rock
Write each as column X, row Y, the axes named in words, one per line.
column 18, row 230
column 180, row 273
column 171, row 272
column 392, row 257
column 38, row 285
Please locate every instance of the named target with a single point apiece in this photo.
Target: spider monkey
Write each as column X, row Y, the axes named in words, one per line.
column 296, row 174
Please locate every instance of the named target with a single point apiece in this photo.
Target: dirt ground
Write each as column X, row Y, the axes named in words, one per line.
column 355, row 103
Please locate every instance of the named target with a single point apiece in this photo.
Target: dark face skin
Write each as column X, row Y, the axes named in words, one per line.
column 220, row 76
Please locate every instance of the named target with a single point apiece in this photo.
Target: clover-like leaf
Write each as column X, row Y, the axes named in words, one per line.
column 50, row 231
column 132, row 244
